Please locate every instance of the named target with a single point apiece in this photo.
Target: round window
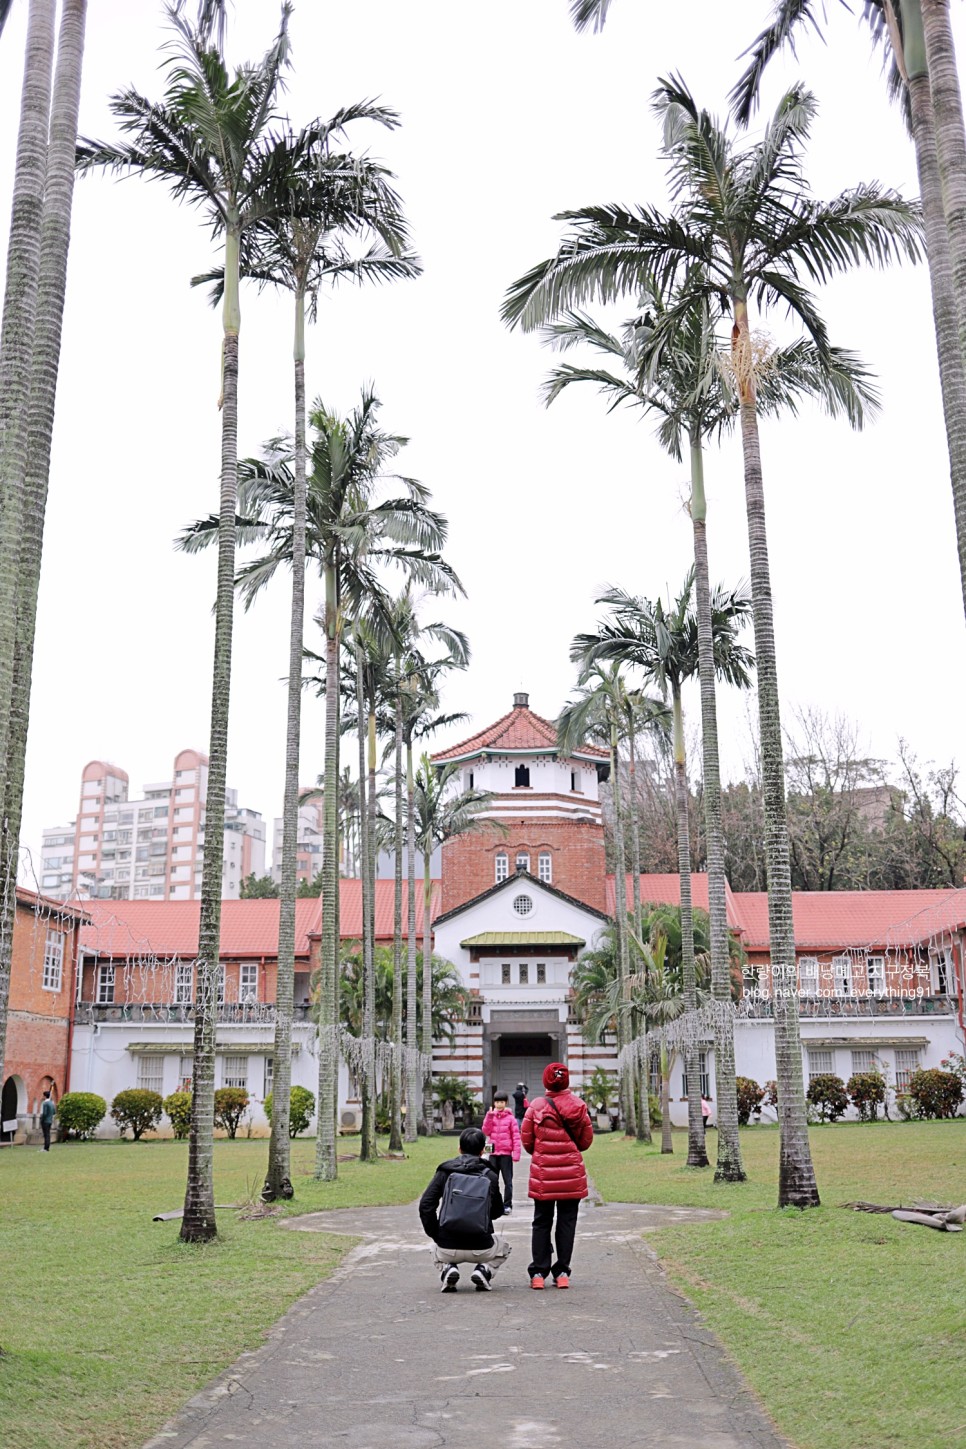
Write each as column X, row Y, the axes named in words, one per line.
column 523, row 905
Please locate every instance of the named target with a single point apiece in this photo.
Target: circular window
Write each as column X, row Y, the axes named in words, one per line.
column 523, row 905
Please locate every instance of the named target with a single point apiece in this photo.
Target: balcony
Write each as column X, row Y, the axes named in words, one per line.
column 757, row 1008
column 160, row 1013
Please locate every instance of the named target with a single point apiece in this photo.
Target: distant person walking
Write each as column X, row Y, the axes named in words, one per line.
column 457, row 1211
column 503, row 1131
column 47, row 1114
column 520, row 1103
column 556, row 1130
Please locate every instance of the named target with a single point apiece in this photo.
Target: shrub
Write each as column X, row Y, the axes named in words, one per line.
column 771, row 1095
column 138, row 1109
column 231, row 1104
column 301, row 1110
column 750, row 1098
column 935, row 1093
column 826, row 1092
column 654, row 1109
column 599, row 1090
column 80, row 1114
column 868, row 1093
column 178, row 1108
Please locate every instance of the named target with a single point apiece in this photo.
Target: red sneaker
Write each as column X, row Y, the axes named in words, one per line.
column 563, row 1281
column 536, row 1281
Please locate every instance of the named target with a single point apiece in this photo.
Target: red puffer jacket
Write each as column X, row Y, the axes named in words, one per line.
column 557, row 1169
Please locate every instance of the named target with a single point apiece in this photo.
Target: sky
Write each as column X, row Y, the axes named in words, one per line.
column 508, row 116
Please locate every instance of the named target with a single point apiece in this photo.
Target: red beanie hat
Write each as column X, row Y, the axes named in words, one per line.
column 556, row 1077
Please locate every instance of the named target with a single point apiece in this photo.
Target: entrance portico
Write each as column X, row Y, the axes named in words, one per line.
column 517, row 1044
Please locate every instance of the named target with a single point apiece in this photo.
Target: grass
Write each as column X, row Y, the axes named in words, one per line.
column 850, row 1326
column 108, row 1323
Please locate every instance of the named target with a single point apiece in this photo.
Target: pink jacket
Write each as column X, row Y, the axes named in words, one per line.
column 503, row 1130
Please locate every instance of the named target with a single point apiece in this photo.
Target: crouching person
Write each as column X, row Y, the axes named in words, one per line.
column 457, row 1211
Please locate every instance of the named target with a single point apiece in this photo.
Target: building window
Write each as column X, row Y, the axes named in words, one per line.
column 907, row 1062
column 53, row 960
column 235, row 1072
column 521, row 777
column 842, row 975
column 541, row 974
column 505, row 973
column 105, row 985
column 186, row 1068
column 704, row 1081
column 544, row 867
column 943, row 965
column 524, row 974
column 750, row 981
column 269, row 1075
column 151, row 1074
column 808, row 976
column 875, row 966
column 574, row 783
column 184, row 984
column 864, row 1061
column 523, row 860
column 248, row 981
column 502, row 866
column 221, row 984
column 523, row 905
column 469, row 780
column 819, row 1063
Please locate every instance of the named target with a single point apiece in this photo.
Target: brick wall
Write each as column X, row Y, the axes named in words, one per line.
column 576, row 849
column 39, row 1021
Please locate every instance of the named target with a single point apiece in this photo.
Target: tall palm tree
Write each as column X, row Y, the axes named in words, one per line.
column 351, row 536
column 745, row 228
column 923, row 75
column 441, row 813
column 664, row 644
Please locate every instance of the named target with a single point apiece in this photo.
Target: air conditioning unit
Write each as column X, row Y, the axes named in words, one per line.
column 350, row 1119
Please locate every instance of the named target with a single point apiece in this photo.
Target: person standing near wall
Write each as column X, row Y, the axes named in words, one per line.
column 47, row 1114
column 556, row 1131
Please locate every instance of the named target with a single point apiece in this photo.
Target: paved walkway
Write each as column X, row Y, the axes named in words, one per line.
column 377, row 1358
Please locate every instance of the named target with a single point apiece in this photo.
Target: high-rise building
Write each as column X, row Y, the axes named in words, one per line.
column 152, row 848
column 310, row 836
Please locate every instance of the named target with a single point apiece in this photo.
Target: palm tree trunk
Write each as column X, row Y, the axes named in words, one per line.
column 620, row 924
column 326, row 1166
column 729, row 1166
column 413, row 1084
column 278, row 1180
column 367, row 1147
column 949, row 319
column 697, row 1156
column 796, row 1174
column 643, row 1123
column 39, row 424
column 428, row 987
column 667, row 1142
column 198, row 1221
column 395, row 1126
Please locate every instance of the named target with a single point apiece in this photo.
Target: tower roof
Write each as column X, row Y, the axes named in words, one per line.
column 521, row 732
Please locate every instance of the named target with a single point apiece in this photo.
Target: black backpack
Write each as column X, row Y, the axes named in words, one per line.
column 466, row 1203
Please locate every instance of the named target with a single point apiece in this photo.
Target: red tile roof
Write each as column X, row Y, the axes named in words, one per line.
column 521, row 729
column 828, row 919
column 47, row 906
column 350, row 908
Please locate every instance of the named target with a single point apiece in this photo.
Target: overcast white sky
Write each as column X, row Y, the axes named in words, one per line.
column 508, row 117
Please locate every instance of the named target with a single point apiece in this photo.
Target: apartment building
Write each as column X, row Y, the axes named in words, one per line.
column 150, row 848
column 309, row 841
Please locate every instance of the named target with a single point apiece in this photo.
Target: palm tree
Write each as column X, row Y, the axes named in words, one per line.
column 745, row 227
column 441, row 813
column 924, row 77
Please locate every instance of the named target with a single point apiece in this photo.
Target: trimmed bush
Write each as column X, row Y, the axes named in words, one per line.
column 654, row 1109
column 80, row 1114
column 178, row 1108
column 301, row 1110
column 826, row 1092
column 935, row 1093
column 138, row 1109
column 231, row 1104
column 750, row 1098
column 868, row 1093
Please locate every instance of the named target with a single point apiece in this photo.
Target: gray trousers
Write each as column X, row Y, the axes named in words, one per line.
column 494, row 1257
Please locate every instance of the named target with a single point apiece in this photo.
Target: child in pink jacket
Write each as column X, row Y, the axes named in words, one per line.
column 503, row 1131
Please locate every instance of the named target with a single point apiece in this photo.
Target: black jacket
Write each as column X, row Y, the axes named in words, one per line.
column 430, row 1200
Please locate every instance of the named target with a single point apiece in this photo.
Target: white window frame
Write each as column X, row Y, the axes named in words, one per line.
column 105, row 984
column 545, row 867
column 808, row 976
column 875, row 967
column 817, row 1057
column 268, row 1076
column 248, row 981
column 907, row 1062
column 523, row 855
column 150, row 1073
column 864, row 1060
column 222, row 976
column 183, row 1075
column 842, row 980
column 53, row 978
column 234, row 1071
column 501, row 866
column 184, row 983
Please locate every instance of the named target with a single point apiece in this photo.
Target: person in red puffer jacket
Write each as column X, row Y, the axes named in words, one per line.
column 556, row 1130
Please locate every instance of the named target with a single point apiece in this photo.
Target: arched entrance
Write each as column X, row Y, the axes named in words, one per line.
column 11, row 1101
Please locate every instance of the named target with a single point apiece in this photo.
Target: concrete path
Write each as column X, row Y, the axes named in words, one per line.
column 377, row 1358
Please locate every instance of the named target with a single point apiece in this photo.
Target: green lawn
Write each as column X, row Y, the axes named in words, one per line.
column 108, row 1323
column 851, row 1326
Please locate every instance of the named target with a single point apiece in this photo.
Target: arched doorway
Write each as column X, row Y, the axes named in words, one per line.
column 10, row 1105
